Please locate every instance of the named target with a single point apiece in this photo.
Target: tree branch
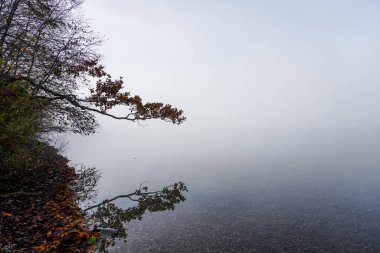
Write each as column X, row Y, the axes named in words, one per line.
column 121, row 196
column 19, row 194
column 8, row 24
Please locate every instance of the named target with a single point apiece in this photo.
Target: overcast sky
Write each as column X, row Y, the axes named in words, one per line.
column 248, row 64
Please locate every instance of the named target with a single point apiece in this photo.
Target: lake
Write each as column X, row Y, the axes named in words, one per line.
column 284, row 190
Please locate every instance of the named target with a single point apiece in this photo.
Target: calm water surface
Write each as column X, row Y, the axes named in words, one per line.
column 268, row 191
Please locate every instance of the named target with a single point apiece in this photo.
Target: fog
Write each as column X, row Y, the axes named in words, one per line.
column 282, row 106
column 248, row 64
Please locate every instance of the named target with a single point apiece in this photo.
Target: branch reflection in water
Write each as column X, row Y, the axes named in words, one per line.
column 108, row 218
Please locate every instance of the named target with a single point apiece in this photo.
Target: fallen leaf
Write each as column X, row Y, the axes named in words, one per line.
column 7, row 214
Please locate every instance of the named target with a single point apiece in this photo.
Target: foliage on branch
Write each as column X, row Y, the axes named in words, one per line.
column 49, row 50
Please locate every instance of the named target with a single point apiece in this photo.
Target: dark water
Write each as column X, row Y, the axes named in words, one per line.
column 310, row 191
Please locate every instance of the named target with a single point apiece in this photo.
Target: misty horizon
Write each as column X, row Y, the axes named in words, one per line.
column 280, row 149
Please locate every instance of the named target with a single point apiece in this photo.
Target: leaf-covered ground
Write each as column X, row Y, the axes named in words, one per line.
column 39, row 213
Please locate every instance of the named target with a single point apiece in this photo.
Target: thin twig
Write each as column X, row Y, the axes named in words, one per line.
column 18, row 194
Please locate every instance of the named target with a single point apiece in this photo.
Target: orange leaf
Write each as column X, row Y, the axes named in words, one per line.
column 7, row 214
column 40, row 248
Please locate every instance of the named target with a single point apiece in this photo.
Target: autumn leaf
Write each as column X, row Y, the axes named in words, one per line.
column 40, row 248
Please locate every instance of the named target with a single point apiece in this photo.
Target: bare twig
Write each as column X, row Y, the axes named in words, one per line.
column 19, row 194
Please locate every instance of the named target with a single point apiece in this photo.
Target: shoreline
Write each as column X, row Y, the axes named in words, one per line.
column 41, row 213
